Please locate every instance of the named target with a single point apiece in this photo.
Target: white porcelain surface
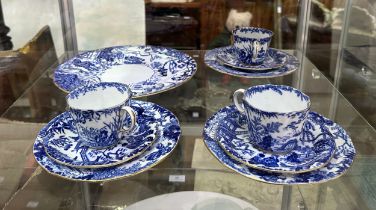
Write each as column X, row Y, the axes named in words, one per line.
column 272, row 101
column 99, row 98
column 192, row 200
column 126, row 74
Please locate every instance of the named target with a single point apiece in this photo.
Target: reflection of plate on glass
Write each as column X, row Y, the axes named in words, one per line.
column 146, row 70
column 167, row 138
column 192, row 200
column 274, row 59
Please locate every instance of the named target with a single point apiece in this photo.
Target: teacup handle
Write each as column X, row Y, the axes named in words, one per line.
column 236, row 95
column 256, row 48
column 133, row 116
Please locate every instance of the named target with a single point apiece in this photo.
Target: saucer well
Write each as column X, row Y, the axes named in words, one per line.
column 313, row 151
column 64, row 146
column 274, row 59
column 167, row 138
column 337, row 166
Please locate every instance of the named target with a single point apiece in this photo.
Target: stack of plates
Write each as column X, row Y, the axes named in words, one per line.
column 147, row 70
column 326, row 156
column 277, row 63
column 59, row 151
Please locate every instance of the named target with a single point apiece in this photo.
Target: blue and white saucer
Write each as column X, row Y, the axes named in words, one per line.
column 274, row 59
column 337, row 166
column 313, row 152
column 65, row 147
column 213, row 62
column 147, row 70
column 167, row 138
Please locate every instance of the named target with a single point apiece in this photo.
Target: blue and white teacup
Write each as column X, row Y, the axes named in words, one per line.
column 99, row 112
column 251, row 44
column 275, row 115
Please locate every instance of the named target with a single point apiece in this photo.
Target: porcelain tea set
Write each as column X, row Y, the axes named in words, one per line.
column 269, row 134
column 250, row 56
column 105, row 135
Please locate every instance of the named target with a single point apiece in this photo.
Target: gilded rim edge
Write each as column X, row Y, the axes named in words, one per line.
column 117, row 178
column 251, row 77
column 279, row 183
column 275, row 171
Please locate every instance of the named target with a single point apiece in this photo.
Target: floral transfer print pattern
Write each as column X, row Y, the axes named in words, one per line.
column 98, row 128
column 273, row 131
column 171, row 68
column 211, row 60
column 251, row 50
column 167, row 138
column 337, row 166
column 232, row 136
column 65, row 147
column 81, row 91
column 273, row 60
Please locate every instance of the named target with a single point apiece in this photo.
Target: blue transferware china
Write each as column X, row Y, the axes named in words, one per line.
column 99, row 110
column 251, row 44
column 167, row 138
column 275, row 116
column 65, row 146
column 147, row 70
column 211, row 60
column 337, row 166
column 314, row 152
column 273, row 60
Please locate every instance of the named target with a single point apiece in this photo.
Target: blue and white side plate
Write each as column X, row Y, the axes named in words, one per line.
column 337, row 166
column 274, row 59
column 65, row 147
column 314, row 150
column 147, row 70
column 211, row 60
column 168, row 129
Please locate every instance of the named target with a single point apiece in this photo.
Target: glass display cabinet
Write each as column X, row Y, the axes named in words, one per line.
column 332, row 40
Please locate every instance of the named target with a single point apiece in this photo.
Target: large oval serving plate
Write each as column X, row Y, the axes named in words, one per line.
column 146, row 69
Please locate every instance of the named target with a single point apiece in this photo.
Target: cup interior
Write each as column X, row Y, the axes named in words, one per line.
column 277, row 98
column 98, row 96
column 253, row 33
